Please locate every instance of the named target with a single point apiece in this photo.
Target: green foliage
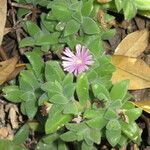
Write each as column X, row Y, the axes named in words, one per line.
column 67, row 23
column 80, row 109
column 9, row 145
column 82, row 89
column 21, row 135
column 67, row 97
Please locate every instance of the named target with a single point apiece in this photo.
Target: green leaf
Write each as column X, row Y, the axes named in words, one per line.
column 56, row 119
column 9, row 145
column 68, row 90
column 94, row 135
column 50, row 138
column 86, row 146
column 13, row 93
column 30, row 104
column 113, row 125
column 95, row 46
column 45, row 48
column 52, row 88
column 97, row 122
column 21, row 135
column 119, row 5
column 29, row 77
column 108, row 34
column 77, row 16
column 92, row 113
column 45, row 39
column 70, row 108
column 91, row 75
column 72, row 27
column 129, row 9
column 100, row 91
column 37, row 63
column 68, row 79
column 60, row 26
column 24, row 85
column 123, row 141
column 48, row 24
column 90, row 26
column 76, row 127
column 110, row 114
column 48, row 146
column 28, row 41
column 69, row 136
column 116, row 105
column 131, row 130
column 119, row 90
column 104, row 68
column 82, row 89
column 143, row 5
column 62, row 145
column 32, row 28
column 22, row 108
column 87, row 7
column 133, row 114
column 35, row 126
column 61, row 11
column 43, row 98
column 53, row 71
column 113, row 136
column 128, row 105
column 59, row 99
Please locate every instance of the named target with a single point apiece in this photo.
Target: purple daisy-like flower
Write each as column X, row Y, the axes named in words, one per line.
column 78, row 62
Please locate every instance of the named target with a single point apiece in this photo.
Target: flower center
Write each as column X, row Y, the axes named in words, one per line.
column 79, row 61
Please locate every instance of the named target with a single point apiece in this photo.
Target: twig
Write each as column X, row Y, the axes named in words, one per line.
column 30, row 7
column 25, row 6
column 17, row 30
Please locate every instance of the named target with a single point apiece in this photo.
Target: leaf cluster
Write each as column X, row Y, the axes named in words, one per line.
column 85, row 108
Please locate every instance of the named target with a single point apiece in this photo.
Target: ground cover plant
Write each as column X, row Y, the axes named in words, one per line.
column 69, row 99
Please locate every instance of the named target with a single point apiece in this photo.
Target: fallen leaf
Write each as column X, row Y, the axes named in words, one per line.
column 18, row 69
column 7, row 30
column 13, row 115
column 133, row 44
column 136, row 70
column 3, row 10
column 144, row 105
column 4, row 132
column 2, row 114
column 6, row 68
column 135, row 82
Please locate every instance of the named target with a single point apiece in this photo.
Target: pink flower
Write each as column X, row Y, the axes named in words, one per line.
column 78, row 62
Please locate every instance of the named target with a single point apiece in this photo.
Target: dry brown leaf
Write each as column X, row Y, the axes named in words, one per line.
column 3, row 10
column 7, row 30
column 13, row 115
column 4, row 132
column 6, row 68
column 144, row 105
column 2, row 114
column 133, row 44
column 136, row 70
column 18, row 69
column 135, row 82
